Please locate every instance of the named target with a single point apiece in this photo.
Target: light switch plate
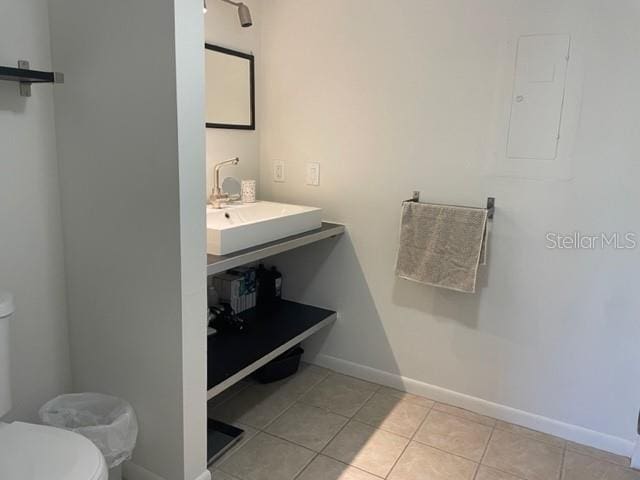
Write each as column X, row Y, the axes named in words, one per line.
column 313, row 174
column 278, row 171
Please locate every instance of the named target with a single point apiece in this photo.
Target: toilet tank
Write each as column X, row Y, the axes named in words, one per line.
column 6, row 314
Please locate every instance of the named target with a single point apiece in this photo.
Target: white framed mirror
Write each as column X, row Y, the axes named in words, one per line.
column 230, row 88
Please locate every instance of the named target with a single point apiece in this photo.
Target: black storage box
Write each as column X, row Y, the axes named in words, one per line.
column 281, row 367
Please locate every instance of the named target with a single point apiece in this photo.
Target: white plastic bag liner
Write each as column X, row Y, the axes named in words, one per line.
column 109, row 422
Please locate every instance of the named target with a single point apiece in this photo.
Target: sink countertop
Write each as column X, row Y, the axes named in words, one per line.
column 220, row 263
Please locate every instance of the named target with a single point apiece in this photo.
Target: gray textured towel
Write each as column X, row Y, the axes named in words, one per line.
column 442, row 245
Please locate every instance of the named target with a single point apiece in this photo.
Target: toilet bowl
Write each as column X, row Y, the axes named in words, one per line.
column 37, row 452
column 34, row 452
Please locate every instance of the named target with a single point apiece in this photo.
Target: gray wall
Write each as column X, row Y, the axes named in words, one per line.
column 119, row 145
column 392, row 97
column 31, row 251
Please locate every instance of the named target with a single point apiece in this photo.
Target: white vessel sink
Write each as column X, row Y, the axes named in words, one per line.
column 241, row 226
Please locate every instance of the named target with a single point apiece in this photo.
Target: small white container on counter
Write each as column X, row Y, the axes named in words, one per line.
column 248, row 191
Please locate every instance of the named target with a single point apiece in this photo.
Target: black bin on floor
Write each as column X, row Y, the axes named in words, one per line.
column 280, row 367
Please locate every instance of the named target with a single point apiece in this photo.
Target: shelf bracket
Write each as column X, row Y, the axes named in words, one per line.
column 27, row 77
column 25, row 87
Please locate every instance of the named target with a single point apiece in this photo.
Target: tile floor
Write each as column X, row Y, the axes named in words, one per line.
column 320, row 425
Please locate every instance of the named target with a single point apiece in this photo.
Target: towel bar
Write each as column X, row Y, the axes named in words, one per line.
column 490, row 208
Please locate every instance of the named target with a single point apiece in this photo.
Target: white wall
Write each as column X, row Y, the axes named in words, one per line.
column 31, row 252
column 130, row 148
column 222, row 27
column 396, row 96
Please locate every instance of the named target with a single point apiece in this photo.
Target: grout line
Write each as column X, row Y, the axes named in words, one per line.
column 212, row 469
column 338, row 461
column 410, row 440
column 233, row 395
column 305, row 467
column 447, row 452
column 493, row 425
column 350, row 466
column 565, row 447
column 318, row 452
column 564, row 456
column 350, row 419
column 296, row 400
column 336, row 434
column 517, row 477
column 532, row 437
column 600, row 458
column 484, row 452
column 273, row 420
column 398, row 400
column 486, row 447
column 217, row 464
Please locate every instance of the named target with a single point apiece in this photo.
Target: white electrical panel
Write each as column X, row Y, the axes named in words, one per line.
column 538, row 96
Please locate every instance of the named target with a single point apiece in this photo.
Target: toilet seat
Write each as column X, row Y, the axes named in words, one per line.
column 34, row 452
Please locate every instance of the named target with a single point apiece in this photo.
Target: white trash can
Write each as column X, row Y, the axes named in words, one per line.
column 109, row 422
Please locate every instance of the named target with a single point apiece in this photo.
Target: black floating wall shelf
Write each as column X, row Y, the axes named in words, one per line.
column 26, row 77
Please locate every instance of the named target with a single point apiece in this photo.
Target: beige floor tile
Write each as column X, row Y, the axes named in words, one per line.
column 353, row 382
column 306, row 378
column 454, row 435
column 226, row 395
column 410, row 397
column 523, row 456
column 325, row 468
column 249, row 433
column 583, row 467
column 220, row 475
column 488, row 473
column 541, row 437
column 267, row 458
column 599, row 454
column 325, row 372
column 340, row 394
column 367, row 448
column 460, row 412
column 393, row 414
column 421, row 462
column 256, row 406
column 309, row 426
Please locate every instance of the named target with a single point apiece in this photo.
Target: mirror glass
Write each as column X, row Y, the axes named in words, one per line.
column 230, row 88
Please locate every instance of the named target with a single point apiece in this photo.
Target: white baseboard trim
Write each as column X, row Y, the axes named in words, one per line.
column 206, row 475
column 635, row 458
column 132, row 471
column 560, row 429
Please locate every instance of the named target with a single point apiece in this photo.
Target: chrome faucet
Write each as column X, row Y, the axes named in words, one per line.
column 218, row 198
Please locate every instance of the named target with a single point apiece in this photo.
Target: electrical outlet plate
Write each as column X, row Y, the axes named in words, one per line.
column 313, row 174
column 278, row 171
